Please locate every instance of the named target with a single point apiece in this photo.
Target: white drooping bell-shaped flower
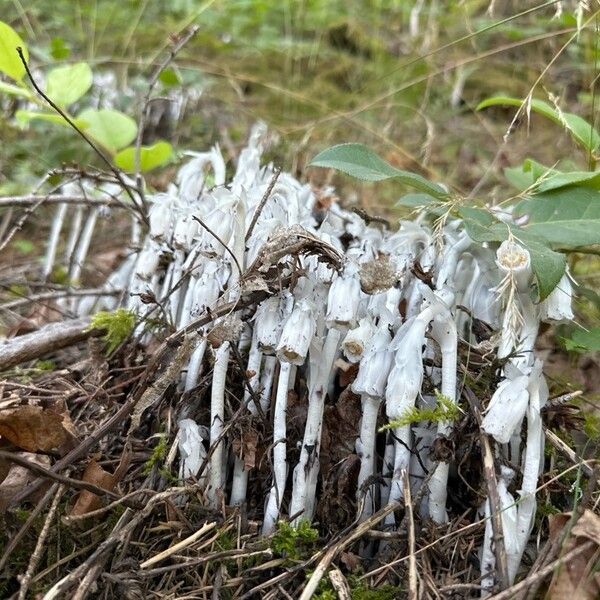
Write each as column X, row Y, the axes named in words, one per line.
column 148, row 260
column 356, row 340
column 297, row 334
column 558, row 305
column 191, row 178
column 375, row 365
column 507, row 407
column 406, row 376
column 343, row 300
column 185, row 230
column 192, row 451
column 161, row 216
column 268, row 321
column 512, row 258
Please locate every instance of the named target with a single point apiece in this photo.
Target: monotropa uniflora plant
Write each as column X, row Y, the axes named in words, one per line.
column 315, row 290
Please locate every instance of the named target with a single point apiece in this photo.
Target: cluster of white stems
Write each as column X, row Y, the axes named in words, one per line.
column 374, row 312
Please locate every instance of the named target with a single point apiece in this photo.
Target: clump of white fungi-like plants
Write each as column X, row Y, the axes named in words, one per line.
column 309, row 287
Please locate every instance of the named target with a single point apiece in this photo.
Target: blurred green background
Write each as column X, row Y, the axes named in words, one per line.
column 401, row 76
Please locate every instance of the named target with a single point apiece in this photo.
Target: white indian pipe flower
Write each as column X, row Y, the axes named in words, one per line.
column 191, row 178
column 506, row 408
column 269, row 318
column 161, row 216
column 343, row 300
column 297, row 334
column 356, row 340
column 375, row 365
column 512, row 258
column 191, row 450
column 558, row 305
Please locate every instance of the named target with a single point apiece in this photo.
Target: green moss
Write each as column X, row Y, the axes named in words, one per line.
column 118, row 325
column 361, row 591
column 159, row 452
column 444, row 411
column 293, row 542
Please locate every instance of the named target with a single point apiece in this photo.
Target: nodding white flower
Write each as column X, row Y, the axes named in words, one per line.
column 356, row 340
column 268, row 321
column 191, row 178
column 406, row 376
column 557, row 306
column 148, row 261
column 343, row 301
column 161, row 217
column 514, row 259
column 183, row 234
column 375, row 365
column 297, row 334
column 191, row 449
column 507, row 408
column 206, row 292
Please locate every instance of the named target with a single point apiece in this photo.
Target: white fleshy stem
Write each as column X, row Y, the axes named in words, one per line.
column 402, row 444
column 240, row 474
column 279, row 450
column 175, row 294
column 266, row 382
column 57, row 224
column 387, row 470
column 217, row 419
column 83, row 246
column 366, row 445
column 194, row 366
column 308, row 464
column 74, row 232
column 444, row 332
column 538, row 393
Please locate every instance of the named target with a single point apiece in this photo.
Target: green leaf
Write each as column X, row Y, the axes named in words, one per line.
column 582, row 340
column 24, row 116
column 110, row 128
column 10, row 63
column 558, row 180
column 361, row 162
column 150, row 157
column 65, row 85
column 169, row 77
column 518, row 177
column 58, row 49
column 415, row 200
column 14, row 90
column 581, row 131
column 547, row 265
column 566, row 217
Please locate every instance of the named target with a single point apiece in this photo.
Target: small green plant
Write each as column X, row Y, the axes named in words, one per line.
column 66, row 85
column 290, row 542
column 118, row 325
column 159, row 452
column 384, row 592
column 444, row 411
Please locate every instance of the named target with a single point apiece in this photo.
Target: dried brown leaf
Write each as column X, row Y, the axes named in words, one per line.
column 18, row 477
column 35, row 429
column 577, row 578
column 88, row 501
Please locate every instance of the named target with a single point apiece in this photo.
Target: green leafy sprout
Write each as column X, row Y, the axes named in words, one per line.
column 117, row 324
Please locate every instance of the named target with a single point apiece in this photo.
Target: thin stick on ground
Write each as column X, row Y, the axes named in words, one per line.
column 40, row 545
column 489, row 473
column 413, row 590
column 336, row 548
column 74, row 483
